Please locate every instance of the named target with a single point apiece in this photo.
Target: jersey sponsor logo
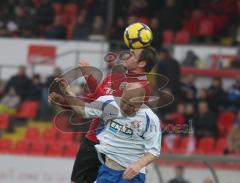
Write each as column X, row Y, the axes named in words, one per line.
column 116, row 127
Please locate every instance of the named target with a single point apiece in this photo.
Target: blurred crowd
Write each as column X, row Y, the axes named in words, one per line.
column 88, row 19
column 21, row 87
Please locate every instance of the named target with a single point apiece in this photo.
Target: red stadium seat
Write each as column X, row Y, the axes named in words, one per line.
column 4, row 121
column 28, row 109
column 38, row 148
column 66, row 137
column 22, row 147
column 225, row 122
column 187, row 144
column 182, row 37
column 49, row 135
column 206, row 145
column 58, row 7
column 206, row 28
column 71, row 9
column 221, row 146
column 168, row 37
column 78, row 137
column 71, row 150
column 32, row 134
column 5, row 146
column 55, row 149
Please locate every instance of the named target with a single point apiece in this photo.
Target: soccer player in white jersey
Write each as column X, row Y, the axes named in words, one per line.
column 131, row 138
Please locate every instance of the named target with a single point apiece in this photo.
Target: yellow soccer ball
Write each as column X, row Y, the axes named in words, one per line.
column 137, row 35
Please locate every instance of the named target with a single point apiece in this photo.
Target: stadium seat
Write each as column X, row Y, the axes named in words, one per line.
column 4, row 121
column 28, row 109
column 206, row 28
column 55, row 149
column 206, row 145
column 58, row 7
column 38, row 148
column 225, row 122
column 5, row 146
column 182, row 37
column 66, row 137
column 187, row 144
column 71, row 9
column 22, row 147
column 71, row 150
column 221, row 146
column 32, row 134
column 78, row 137
column 168, row 37
column 49, row 135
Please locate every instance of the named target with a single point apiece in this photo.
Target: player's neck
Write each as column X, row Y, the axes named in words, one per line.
column 138, row 71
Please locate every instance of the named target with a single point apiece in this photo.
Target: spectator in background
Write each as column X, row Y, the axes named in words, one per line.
column 20, row 82
column 57, row 71
column 179, row 176
column 234, row 136
column 45, row 109
column 233, row 96
column 98, row 26
column 118, row 29
column 189, row 112
column 9, row 102
column 36, row 88
column 202, row 95
column 26, row 26
column 139, row 8
column 81, row 29
column 216, row 95
column 45, row 13
column 188, row 89
column 191, row 59
column 1, row 89
column 237, row 36
column 204, row 122
column 170, row 68
column 235, row 64
column 58, row 30
column 170, row 17
column 177, row 117
column 154, row 25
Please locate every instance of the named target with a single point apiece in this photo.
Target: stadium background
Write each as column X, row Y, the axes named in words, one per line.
column 197, row 39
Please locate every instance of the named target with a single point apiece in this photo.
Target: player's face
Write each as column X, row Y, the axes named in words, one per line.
column 131, row 62
column 128, row 107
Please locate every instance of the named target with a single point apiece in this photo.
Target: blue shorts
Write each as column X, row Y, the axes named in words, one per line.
column 108, row 175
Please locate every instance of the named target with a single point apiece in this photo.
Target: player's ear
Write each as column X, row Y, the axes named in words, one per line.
column 142, row 64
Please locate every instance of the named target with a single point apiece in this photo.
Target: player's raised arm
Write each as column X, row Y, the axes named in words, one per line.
column 85, row 110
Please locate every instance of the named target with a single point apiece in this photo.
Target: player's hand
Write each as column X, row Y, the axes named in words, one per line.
column 64, row 86
column 54, row 98
column 131, row 171
column 83, row 63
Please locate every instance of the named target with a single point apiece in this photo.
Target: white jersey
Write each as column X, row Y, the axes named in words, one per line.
column 125, row 139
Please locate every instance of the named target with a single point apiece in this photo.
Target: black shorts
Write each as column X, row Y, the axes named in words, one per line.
column 86, row 165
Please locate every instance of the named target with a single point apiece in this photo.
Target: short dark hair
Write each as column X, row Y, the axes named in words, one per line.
column 149, row 55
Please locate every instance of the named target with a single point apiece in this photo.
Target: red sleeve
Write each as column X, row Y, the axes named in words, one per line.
column 92, row 83
column 99, row 90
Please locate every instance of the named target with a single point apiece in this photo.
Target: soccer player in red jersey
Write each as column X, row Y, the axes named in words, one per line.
column 138, row 63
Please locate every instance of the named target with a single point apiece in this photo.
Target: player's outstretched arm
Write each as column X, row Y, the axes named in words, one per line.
column 77, row 105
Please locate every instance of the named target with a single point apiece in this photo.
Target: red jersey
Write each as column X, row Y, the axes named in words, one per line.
column 113, row 84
